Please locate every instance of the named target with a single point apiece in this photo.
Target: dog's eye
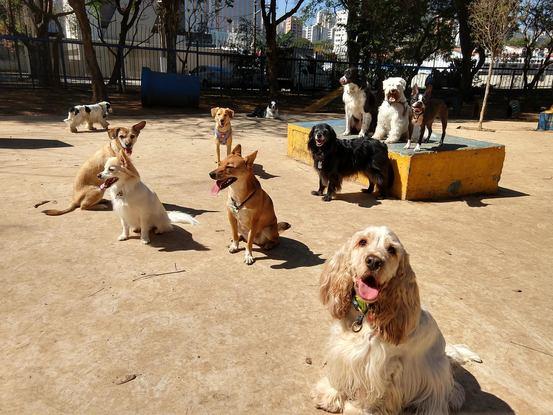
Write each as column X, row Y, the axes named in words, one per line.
column 111, row 169
column 121, row 136
column 391, row 250
column 132, row 136
column 362, row 242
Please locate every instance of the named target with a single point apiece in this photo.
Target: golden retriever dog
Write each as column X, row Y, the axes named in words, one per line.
column 87, row 189
column 385, row 353
column 137, row 206
column 249, row 208
column 223, row 129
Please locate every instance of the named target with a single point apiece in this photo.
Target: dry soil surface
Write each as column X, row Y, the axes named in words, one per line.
column 92, row 325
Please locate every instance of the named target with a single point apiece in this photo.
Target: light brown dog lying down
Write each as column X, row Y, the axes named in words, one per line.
column 87, row 188
column 250, row 209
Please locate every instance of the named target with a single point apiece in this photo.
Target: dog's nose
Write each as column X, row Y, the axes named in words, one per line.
column 99, row 175
column 319, row 135
column 213, row 175
column 373, row 262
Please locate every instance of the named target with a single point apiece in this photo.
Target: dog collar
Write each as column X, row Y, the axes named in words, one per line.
column 235, row 207
column 223, row 136
column 363, row 307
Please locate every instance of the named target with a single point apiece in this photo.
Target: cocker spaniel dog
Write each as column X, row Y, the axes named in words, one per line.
column 336, row 159
column 394, row 114
column 385, row 353
column 89, row 114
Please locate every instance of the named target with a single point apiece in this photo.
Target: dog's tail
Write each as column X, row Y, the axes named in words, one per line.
column 181, row 217
column 55, row 212
column 282, row 226
column 461, row 354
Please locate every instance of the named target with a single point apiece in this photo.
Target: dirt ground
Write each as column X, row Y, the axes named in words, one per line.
column 80, row 311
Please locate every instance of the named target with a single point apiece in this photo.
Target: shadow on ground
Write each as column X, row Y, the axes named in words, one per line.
column 190, row 211
column 31, row 143
column 293, row 253
column 177, row 240
column 358, row 198
column 260, row 172
column 478, row 200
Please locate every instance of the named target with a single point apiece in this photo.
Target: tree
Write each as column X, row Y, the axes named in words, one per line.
column 270, row 23
column 492, row 21
column 99, row 91
column 130, row 13
column 535, row 23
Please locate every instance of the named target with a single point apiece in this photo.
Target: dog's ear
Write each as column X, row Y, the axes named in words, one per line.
column 230, row 112
column 402, row 83
column 335, row 283
column 428, row 91
column 237, row 150
column 214, row 111
column 312, row 133
column 415, row 90
column 332, row 133
column 112, row 133
column 139, row 126
column 250, row 159
column 87, row 109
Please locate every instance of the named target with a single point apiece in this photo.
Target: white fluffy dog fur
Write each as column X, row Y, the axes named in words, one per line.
column 397, row 358
column 137, row 206
column 89, row 114
column 394, row 114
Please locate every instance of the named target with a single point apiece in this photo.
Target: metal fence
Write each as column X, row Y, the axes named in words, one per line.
column 216, row 68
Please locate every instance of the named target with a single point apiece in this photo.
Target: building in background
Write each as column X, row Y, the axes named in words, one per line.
column 294, row 25
column 339, row 34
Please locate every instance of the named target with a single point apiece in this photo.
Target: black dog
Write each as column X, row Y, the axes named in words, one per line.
column 336, row 159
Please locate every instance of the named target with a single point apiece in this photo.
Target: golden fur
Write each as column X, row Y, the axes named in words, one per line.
column 222, row 118
column 86, row 189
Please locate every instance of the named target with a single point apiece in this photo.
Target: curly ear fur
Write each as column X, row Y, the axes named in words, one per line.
column 214, row 111
column 336, row 283
column 397, row 312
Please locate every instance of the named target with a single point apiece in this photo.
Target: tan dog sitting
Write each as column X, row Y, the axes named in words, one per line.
column 223, row 129
column 250, row 209
column 88, row 189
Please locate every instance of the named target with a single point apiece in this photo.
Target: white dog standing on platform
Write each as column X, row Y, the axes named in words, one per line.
column 89, row 114
column 394, row 114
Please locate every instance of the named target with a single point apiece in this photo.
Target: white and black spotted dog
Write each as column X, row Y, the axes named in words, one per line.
column 89, row 114
column 270, row 111
column 394, row 114
column 359, row 102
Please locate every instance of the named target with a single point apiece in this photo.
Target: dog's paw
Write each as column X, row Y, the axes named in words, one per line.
column 92, row 128
column 123, row 237
column 417, row 148
column 327, row 198
column 233, row 247
column 74, row 130
column 407, row 146
column 362, row 133
column 145, row 241
column 326, row 397
column 248, row 258
column 316, row 193
column 347, row 132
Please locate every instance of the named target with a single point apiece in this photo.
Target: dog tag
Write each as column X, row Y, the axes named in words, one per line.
column 357, row 324
column 320, row 165
column 233, row 208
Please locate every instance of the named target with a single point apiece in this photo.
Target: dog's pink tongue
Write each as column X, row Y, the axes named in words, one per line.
column 366, row 292
column 215, row 189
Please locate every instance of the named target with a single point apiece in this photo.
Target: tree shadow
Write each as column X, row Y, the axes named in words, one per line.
column 260, row 172
column 190, row 211
column 477, row 401
column 177, row 240
column 31, row 143
column 293, row 253
column 361, row 199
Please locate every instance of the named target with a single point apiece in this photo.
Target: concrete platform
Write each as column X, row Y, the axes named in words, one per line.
column 460, row 167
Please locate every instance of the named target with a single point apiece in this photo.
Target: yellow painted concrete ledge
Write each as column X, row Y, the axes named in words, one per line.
column 461, row 167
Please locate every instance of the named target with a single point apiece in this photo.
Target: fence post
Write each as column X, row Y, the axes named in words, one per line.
column 220, row 75
column 123, row 75
column 62, row 57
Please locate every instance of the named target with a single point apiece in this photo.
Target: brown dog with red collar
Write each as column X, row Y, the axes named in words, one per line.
column 250, row 209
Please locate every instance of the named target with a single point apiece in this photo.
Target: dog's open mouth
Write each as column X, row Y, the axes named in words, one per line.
column 221, row 184
column 108, row 183
column 417, row 110
column 319, row 141
column 368, row 288
column 128, row 150
column 392, row 96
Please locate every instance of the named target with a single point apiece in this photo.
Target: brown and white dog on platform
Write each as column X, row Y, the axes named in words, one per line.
column 88, row 189
column 249, row 208
column 222, row 130
column 425, row 109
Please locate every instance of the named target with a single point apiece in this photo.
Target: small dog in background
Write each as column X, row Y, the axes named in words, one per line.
column 359, row 102
column 336, row 159
column 137, row 206
column 270, row 111
column 425, row 109
column 394, row 114
column 223, row 129
column 250, row 209
column 89, row 114
column 87, row 190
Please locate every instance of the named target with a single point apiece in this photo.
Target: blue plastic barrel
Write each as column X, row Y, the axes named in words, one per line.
column 169, row 89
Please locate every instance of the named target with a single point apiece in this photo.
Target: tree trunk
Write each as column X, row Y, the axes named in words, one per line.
column 486, row 93
column 99, row 91
column 467, row 47
column 352, row 30
column 116, row 72
column 170, row 27
column 272, row 60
